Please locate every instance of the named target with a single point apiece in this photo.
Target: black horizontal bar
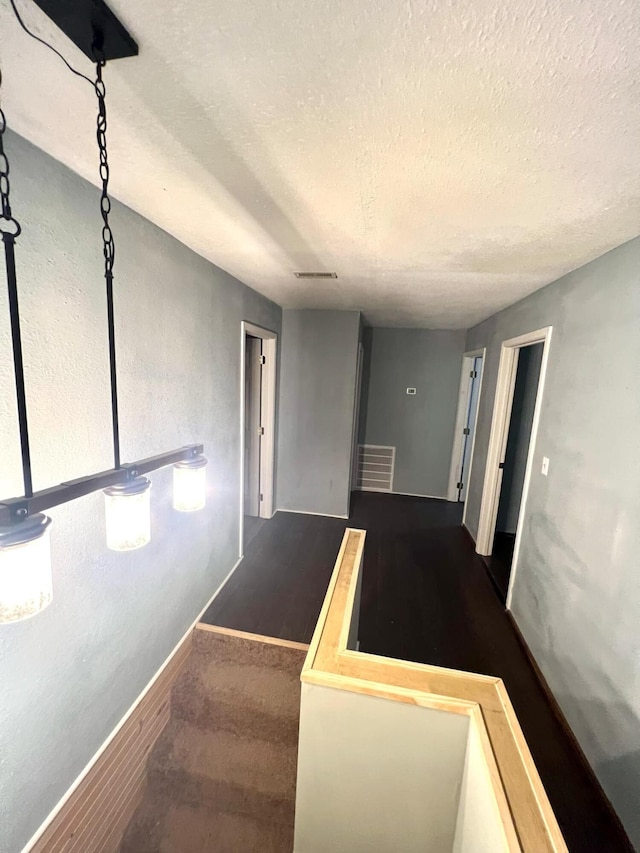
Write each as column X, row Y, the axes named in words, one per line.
column 17, row 509
column 152, row 463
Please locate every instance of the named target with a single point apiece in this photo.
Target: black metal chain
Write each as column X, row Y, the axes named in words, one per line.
column 105, row 201
column 8, row 224
column 109, row 251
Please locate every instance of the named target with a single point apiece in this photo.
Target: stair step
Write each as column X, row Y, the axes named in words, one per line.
column 222, row 775
column 247, row 719
column 263, row 766
column 228, row 648
column 179, row 786
column 178, row 827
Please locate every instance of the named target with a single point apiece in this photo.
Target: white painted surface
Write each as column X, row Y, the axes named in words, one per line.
column 545, row 466
column 445, row 158
column 269, row 379
column 252, row 424
column 479, row 827
column 462, row 413
column 498, row 441
column 376, row 775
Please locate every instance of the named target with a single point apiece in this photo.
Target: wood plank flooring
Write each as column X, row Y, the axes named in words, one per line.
column 426, row 597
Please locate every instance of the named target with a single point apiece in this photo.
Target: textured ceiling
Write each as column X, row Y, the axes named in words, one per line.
column 445, row 157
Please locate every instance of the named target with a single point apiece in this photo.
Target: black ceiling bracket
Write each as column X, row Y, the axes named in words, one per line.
column 91, row 26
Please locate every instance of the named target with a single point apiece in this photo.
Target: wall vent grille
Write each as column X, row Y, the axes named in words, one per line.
column 375, row 468
column 316, row 274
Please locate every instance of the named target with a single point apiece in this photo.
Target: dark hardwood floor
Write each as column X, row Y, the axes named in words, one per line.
column 499, row 563
column 426, row 597
column 252, row 526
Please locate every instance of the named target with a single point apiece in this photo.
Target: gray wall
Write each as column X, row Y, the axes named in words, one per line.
column 420, row 427
column 577, row 593
column 518, row 440
column 317, row 398
column 69, row 674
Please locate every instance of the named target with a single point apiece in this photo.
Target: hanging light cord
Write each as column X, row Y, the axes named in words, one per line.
column 46, row 44
column 107, row 243
column 108, row 248
column 10, row 230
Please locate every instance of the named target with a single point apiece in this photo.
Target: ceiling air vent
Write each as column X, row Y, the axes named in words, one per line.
column 316, row 274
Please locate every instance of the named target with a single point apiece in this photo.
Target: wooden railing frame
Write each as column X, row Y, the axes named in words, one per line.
column 529, row 822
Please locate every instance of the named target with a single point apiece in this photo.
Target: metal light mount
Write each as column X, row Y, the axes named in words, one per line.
column 92, row 27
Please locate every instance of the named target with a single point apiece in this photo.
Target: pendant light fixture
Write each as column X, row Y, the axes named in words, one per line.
column 190, row 484
column 128, row 514
column 25, row 568
column 25, row 561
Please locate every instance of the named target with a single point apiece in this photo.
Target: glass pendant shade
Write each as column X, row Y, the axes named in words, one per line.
column 190, row 484
column 128, row 514
column 25, row 568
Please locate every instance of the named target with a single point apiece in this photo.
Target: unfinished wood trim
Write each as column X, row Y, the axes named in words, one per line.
column 513, row 772
column 419, row 677
column 533, row 786
column 506, row 815
column 258, row 638
column 319, row 629
column 388, row 691
column 95, row 816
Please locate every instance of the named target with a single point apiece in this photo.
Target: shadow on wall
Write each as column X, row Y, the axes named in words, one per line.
column 621, row 779
column 367, row 334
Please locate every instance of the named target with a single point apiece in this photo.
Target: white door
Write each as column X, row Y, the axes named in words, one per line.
column 470, row 426
column 252, row 424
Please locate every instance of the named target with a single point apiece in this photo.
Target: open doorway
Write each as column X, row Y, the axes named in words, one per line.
column 465, row 428
column 257, row 405
column 514, row 466
column 510, row 455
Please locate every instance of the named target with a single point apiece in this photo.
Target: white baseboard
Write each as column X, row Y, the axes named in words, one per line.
column 402, row 494
column 308, row 512
column 60, row 805
column 414, row 495
column 469, row 532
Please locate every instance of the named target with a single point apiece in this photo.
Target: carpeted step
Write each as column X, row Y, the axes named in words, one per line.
column 222, row 775
column 260, row 765
column 176, row 785
column 249, row 688
column 178, row 827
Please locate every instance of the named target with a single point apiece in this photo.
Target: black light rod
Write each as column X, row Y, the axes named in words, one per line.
column 14, row 510
column 113, row 376
column 18, row 366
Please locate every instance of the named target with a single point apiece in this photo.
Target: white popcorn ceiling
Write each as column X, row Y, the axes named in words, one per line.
column 445, row 158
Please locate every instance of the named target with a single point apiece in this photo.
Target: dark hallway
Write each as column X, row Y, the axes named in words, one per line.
column 426, row 597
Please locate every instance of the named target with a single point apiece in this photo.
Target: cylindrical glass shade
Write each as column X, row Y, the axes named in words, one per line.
column 128, row 514
column 25, row 568
column 190, row 484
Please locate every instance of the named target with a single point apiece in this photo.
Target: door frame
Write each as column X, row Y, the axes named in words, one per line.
column 464, row 394
column 268, row 413
column 510, row 351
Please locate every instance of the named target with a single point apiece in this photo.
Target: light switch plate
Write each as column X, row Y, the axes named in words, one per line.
column 411, row 390
column 545, row 465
